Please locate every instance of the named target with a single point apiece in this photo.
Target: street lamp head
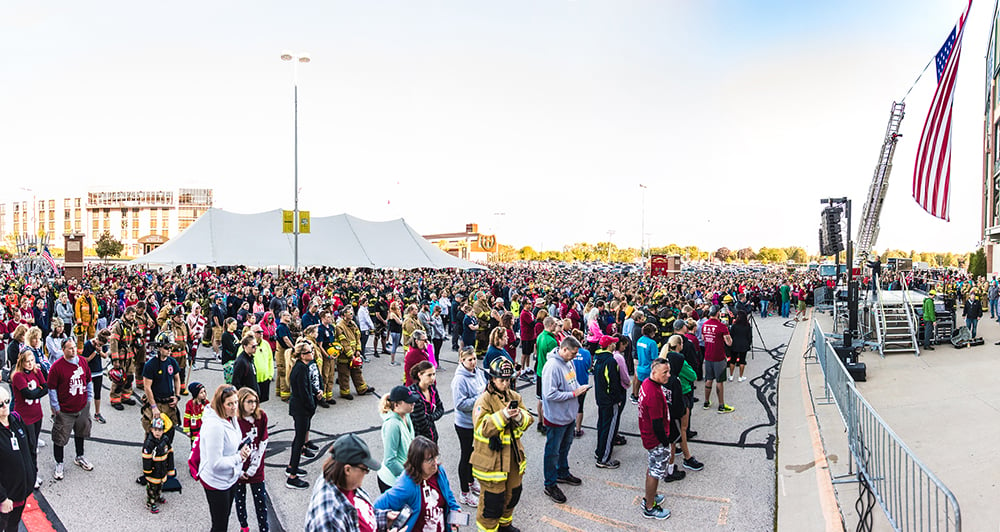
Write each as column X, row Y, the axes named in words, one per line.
column 304, row 58
column 286, row 55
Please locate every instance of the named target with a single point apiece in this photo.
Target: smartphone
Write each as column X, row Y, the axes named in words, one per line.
column 459, row 518
column 514, row 404
column 403, row 517
column 246, row 441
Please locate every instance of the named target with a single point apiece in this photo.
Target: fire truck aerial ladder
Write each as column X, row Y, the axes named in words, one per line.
column 869, row 226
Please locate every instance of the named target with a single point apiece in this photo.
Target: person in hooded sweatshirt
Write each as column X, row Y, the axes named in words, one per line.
column 610, row 394
column 559, row 392
column 469, row 383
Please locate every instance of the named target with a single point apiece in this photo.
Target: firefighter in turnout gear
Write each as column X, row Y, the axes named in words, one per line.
column 160, row 381
column 143, row 325
column 86, row 312
column 178, row 328
column 349, row 359
column 326, row 339
column 122, row 349
column 498, row 460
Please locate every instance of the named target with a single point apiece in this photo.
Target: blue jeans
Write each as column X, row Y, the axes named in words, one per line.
column 993, row 308
column 971, row 323
column 395, row 339
column 785, row 308
column 763, row 308
column 557, row 442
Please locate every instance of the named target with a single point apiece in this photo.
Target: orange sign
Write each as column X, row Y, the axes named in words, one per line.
column 487, row 243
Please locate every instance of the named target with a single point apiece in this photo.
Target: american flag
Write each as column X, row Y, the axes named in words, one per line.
column 48, row 256
column 932, row 170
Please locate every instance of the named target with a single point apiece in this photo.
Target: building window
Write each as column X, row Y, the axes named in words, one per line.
column 76, row 202
column 52, row 204
column 66, row 213
column 96, row 225
column 135, row 234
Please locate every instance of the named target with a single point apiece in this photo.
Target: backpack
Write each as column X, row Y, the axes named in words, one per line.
column 227, row 371
column 194, row 461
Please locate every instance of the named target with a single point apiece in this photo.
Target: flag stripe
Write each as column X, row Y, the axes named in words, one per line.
column 932, row 168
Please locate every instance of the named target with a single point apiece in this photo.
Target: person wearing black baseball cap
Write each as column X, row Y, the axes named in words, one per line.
column 340, row 503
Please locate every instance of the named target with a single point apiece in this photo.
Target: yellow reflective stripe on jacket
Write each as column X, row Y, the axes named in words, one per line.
column 522, row 466
column 504, row 438
column 490, row 476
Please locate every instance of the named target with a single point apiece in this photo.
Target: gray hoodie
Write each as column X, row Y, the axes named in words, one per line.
column 466, row 387
column 558, row 383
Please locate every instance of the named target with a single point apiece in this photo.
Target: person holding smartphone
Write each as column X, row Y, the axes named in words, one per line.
column 425, row 489
column 560, row 390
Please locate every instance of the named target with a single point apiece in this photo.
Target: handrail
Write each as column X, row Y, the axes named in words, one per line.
column 911, row 318
column 881, row 325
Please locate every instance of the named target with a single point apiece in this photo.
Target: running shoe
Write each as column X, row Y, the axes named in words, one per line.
column 60, row 471
column 725, row 409
column 298, row 472
column 555, row 493
column 99, row 418
column 693, row 464
column 569, row 479
column 83, row 463
column 469, row 499
column 610, row 464
column 658, row 500
column 307, row 453
column 41, row 443
column 656, row 512
column 742, row 379
column 296, row 484
column 707, row 405
column 311, row 446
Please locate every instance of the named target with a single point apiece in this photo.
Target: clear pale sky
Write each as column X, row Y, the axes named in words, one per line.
column 739, row 116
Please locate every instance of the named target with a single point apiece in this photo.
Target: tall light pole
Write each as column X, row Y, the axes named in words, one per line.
column 296, row 59
column 642, row 234
column 611, row 233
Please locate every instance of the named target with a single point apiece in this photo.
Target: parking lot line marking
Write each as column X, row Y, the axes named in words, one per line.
column 597, row 518
column 560, row 525
column 723, row 514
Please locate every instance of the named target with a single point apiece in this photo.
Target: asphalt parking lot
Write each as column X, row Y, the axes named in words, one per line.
column 735, row 491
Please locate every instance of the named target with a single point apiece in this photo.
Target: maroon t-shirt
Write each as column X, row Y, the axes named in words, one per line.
column 431, row 516
column 714, row 332
column 652, row 405
column 70, row 382
column 30, row 410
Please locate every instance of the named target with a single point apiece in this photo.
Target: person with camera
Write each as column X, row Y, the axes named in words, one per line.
column 424, row 488
column 498, row 460
column 559, row 397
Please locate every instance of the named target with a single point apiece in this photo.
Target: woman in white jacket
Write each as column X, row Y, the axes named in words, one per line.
column 221, row 455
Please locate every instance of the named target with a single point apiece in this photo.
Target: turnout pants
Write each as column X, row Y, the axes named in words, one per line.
column 328, row 370
column 164, row 408
column 122, row 391
column 347, row 373
column 181, row 358
column 497, row 501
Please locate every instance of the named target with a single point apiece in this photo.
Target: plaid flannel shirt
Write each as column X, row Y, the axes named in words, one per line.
column 331, row 510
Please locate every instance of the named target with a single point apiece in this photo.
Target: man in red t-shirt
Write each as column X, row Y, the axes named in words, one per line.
column 657, row 437
column 70, row 394
column 717, row 338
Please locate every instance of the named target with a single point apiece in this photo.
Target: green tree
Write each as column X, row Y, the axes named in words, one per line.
column 722, row 254
column 797, row 254
column 745, row 254
column 772, row 255
column 107, row 246
column 527, row 253
column 977, row 263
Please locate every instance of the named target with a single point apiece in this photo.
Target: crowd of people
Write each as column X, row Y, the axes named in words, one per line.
column 313, row 335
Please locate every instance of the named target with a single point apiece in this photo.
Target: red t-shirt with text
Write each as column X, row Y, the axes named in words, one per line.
column 714, row 332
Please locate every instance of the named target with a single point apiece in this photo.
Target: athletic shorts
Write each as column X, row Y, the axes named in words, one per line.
column 737, row 358
column 715, row 371
column 527, row 347
column 580, row 399
column 216, row 335
column 77, row 423
column 659, row 456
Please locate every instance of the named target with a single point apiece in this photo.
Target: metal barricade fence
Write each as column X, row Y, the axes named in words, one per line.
column 912, row 497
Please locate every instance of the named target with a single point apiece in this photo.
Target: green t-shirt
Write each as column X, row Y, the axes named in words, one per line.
column 544, row 344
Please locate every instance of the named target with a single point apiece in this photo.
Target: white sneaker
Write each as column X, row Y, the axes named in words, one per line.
column 469, row 499
column 41, row 443
column 38, row 483
column 742, row 379
column 59, row 472
column 730, row 378
column 83, row 463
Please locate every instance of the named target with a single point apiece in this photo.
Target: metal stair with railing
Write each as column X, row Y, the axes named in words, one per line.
column 895, row 322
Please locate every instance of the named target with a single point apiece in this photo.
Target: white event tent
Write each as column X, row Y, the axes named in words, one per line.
column 223, row 238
